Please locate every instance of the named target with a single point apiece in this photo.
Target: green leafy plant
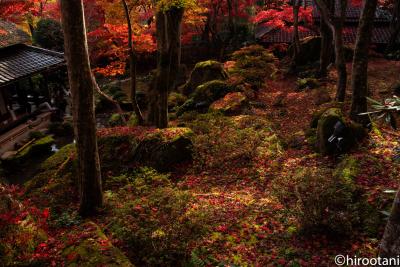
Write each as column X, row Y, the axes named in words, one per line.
column 385, row 110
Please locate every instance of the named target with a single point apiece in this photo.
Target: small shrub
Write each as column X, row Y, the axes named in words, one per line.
column 323, row 203
column 48, row 34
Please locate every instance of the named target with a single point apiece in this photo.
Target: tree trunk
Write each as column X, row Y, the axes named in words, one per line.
column 132, row 67
column 339, row 52
column 82, row 86
column 359, row 82
column 326, row 45
column 390, row 245
column 336, row 26
column 394, row 27
column 296, row 38
column 168, row 32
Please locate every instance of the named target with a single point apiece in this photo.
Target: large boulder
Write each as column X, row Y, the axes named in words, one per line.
column 204, row 72
column 205, row 95
column 335, row 135
column 124, row 147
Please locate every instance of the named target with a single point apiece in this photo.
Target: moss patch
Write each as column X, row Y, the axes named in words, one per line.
column 93, row 250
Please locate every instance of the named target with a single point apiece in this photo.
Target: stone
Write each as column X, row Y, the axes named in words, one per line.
column 203, row 72
column 162, row 149
column 325, row 128
column 204, row 95
column 328, row 141
column 232, row 104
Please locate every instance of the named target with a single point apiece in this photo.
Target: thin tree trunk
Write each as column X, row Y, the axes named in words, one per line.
column 359, row 81
column 326, row 44
column 132, row 67
column 339, row 51
column 336, row 26
column 82, row 86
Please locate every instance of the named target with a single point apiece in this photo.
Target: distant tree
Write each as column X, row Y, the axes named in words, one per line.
column 48, row 34
column 336, row 25
column 359, row 79
column 82, row 87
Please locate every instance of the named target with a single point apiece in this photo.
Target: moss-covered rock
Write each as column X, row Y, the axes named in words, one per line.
column 307, row 83
column 203, row 72
column 345, row 138
column 324, row 107
column 161, row 149
column 175, row 100
column 325, row 129
column 93, row 250
column 37, row 148
column 231, row 104
column 204, row 95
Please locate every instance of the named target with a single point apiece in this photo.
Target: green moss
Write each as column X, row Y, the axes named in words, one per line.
column 325, row 128
column 204, row 95
column 39, row 147
column 317, row 114
column 347, row 170
column 204, row 72
column 307, row 83
column 116, row 119
column 54, row 161
column 95, row 250
column 175, row 100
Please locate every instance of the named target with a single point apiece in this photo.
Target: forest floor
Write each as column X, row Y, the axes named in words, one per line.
column 224, row 209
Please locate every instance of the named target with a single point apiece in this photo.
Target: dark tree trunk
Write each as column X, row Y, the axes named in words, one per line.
column 359, row 81
column 168, row 33
column 82, row 86
column 326, row 45
column 394, row 27
column 390, row 245
column 132, row 67
column 296, row 38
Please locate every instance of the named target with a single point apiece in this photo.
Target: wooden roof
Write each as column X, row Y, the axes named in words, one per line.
column 21, row 61
column 380, row 35
column 11, row 35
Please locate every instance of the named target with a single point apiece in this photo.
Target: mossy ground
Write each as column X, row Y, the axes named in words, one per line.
column 222, row 209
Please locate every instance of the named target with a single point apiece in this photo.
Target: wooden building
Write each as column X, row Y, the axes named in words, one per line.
column 380, row 34
column 24, row 72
